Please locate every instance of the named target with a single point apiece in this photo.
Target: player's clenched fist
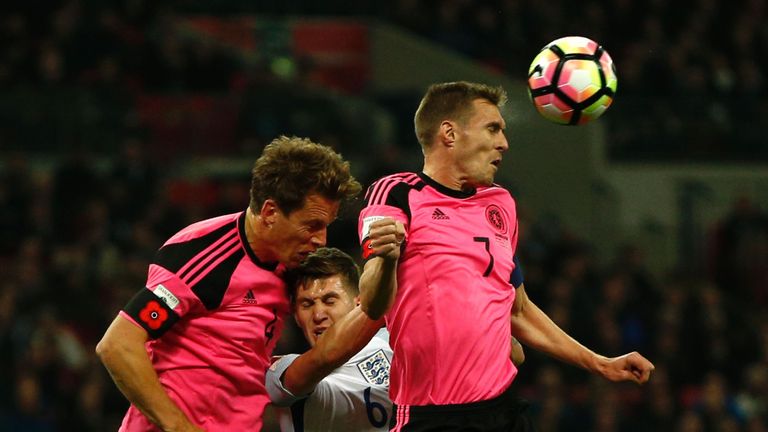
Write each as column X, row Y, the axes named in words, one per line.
column 629, row 367
column 385, row 238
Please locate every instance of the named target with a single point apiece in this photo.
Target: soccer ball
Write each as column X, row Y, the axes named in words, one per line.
column 572, row 81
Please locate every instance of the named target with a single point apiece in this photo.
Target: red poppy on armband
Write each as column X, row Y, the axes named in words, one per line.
column 151, row 313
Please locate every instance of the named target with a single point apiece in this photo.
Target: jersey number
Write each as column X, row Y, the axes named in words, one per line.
column 374, row 409
column 490, row 256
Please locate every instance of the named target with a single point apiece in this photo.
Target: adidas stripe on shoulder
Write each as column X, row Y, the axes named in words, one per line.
column 393, row 191
column 206, row 263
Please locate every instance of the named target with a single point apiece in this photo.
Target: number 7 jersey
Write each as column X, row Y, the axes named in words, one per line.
column 449, row 326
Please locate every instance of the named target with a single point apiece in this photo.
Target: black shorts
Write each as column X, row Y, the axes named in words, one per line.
column 505, row 413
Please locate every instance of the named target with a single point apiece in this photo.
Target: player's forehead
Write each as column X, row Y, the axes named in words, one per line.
column 316, row 288
column 316, row 207
column 485, row 111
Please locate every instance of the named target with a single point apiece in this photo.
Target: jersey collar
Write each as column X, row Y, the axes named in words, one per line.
column 446, row 190
column 270, row 266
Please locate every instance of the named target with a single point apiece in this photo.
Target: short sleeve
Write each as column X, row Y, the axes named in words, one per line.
column 385, row 198
column 278, row 394
column 159, row 305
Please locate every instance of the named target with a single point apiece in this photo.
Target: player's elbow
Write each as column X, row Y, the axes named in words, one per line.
column 107, row 349
column 102, row 349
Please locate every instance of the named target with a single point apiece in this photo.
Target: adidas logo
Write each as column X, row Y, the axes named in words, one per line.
column 249, row 298
column 439, row 215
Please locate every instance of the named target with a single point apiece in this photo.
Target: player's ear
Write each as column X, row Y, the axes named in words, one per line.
column 447, row 133
column 269, row 211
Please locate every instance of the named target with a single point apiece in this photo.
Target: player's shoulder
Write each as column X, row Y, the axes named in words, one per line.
column 206, row 227
column 401, row 177
column 205, row 255
column 378, row 343
column 381, row 341
column 496, row 190
column 409, row 179
column 382, row 336
column 397, row 186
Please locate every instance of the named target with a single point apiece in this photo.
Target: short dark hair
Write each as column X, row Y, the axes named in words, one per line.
column 451, row 101
column 290, row 168
column 324, row 262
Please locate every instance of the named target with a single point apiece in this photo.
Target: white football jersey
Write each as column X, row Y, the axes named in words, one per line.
column 352, row 398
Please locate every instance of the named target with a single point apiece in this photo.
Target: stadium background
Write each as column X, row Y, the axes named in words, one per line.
column 122, row 121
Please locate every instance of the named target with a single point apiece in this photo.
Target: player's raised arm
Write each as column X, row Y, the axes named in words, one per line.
column 338, row 344
column 122, row 351
column 328, row 309
column 534, row 328
column 378, row 283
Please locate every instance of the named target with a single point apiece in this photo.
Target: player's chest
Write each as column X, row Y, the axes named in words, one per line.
column 445, row 222
column 473, row 232
column 251, row 309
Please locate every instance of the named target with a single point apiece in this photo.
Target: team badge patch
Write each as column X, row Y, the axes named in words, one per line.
column 151, row 312
column 496, row 218
column 375, row 368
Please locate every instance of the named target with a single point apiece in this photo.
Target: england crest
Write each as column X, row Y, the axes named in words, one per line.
column 375, row 368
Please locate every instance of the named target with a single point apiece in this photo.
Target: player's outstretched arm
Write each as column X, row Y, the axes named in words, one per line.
column 378, row 283
column 536, row 330
column 122, row 352
column 339, row 343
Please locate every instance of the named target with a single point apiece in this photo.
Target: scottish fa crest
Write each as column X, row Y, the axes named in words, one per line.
column 496, row 218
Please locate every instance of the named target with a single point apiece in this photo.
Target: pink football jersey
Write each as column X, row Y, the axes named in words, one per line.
column 214, row 313
column 450, row 323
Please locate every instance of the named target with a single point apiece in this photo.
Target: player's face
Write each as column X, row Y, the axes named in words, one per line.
column 479, row 144
column 304, row 230
column 319, row 304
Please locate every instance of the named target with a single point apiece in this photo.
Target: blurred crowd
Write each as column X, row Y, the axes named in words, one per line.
column 707, row 339
column 82, row 74
column 77, row 232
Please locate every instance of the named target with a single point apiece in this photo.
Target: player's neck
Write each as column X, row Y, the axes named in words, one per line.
column 446, row 175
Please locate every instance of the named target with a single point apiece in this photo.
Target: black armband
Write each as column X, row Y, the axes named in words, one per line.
column 151, row 312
